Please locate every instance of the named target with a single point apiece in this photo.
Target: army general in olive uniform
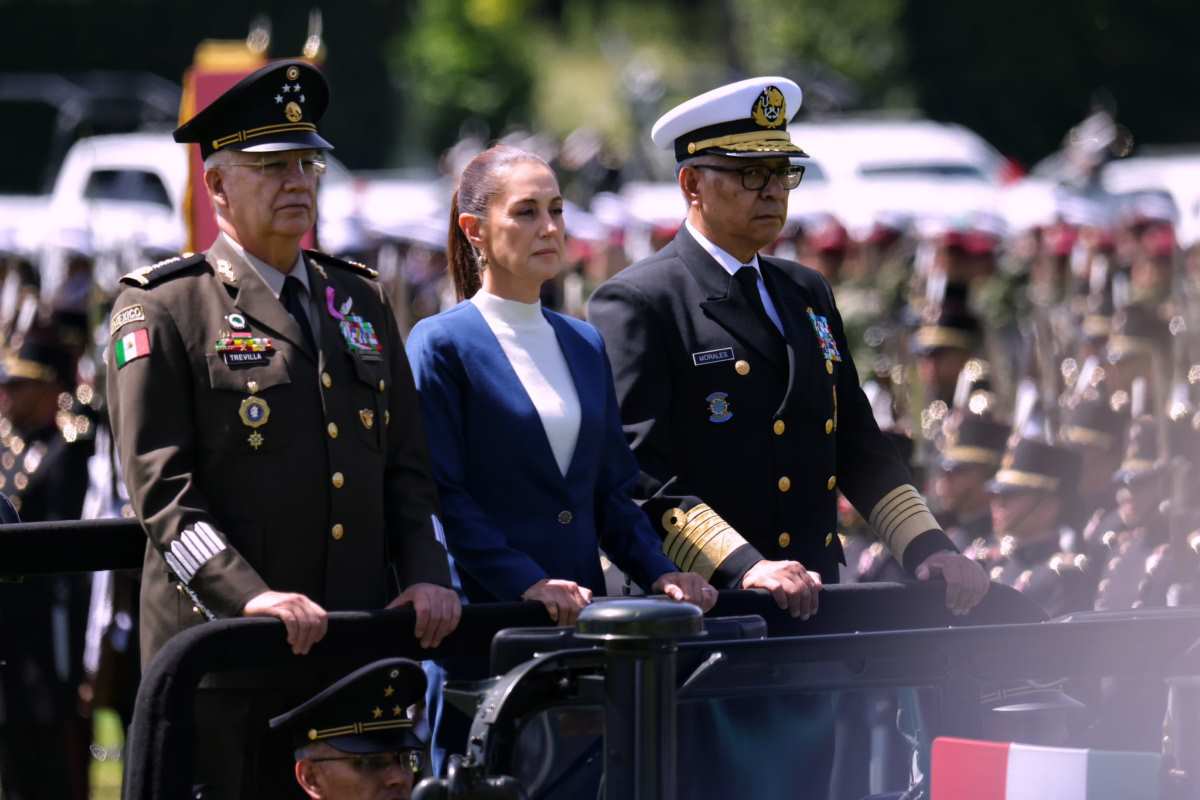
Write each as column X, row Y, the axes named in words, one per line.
column 264, row 410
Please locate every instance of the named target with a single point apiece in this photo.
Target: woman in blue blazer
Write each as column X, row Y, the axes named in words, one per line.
column 531, row 462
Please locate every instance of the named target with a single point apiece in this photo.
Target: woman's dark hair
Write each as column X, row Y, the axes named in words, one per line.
column 479, row 184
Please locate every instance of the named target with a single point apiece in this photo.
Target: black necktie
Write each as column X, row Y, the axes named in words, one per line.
column 747, row 277
column 294, row 297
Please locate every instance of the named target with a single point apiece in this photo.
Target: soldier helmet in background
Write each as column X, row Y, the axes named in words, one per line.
column 1137, row 331
column 1091, row 421
column 41, row 356
column 1033, row 465
column 974, row 440
column 953, row 328
column 1144, row 458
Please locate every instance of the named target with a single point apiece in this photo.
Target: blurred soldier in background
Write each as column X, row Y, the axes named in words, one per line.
column 1032, row 494
column 44, row 448
column 973, row 449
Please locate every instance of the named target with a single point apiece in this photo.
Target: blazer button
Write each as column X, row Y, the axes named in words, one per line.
column 338, row 479
column 829, row 365
column 828, row 426
column 785, row 539
column 785, row 483
column 332, row 428
column 326, row 380
column 565, row 517
column 779, row 427
column 832, row 482
column 742, row 367
column 337, row 532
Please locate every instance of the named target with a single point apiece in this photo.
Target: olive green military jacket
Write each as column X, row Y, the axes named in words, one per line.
column 254, row 463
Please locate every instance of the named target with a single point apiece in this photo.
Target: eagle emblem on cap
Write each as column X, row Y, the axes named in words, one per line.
column 292, row 112
column 770, row 108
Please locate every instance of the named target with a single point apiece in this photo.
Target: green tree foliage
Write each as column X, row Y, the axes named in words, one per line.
column 464, row 66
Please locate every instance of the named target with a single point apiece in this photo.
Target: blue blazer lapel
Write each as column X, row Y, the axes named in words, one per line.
column 586, row 367
column 494, row 367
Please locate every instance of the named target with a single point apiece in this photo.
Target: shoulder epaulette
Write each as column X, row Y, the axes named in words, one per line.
column 148, row 276
column 352, row 266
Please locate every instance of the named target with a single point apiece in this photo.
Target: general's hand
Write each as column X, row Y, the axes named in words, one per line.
column 438, row 611
column 794, row 588
column 305, row 621
column 563, row 599
column 966, row 582
column 686, row 587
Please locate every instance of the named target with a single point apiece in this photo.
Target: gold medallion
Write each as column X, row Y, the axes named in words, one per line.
column 292, row 112
column 368, row 417
column 254, row 412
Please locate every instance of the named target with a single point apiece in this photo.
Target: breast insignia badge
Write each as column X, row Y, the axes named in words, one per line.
column 719, row 407
column 368, row 417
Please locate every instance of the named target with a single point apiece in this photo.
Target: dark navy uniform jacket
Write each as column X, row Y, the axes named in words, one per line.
column 726, row 416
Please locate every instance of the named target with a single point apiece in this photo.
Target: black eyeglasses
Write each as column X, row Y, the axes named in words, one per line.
column 411, row 760
column 754, row 179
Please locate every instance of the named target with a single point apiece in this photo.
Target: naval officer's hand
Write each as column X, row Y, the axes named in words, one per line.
column 794, row 588
column 686, row 587
column 966, row 582
column 305, row 621
column 438, row 611
column 563, row 599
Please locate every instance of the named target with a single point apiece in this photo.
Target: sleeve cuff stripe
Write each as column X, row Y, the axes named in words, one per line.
column 701, row 545
column 890, row 520
column 893, row 498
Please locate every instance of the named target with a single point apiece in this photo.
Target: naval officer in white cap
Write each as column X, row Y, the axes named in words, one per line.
column 736, row 383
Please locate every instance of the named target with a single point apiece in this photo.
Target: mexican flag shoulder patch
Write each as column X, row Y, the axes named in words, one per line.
column 131, row 346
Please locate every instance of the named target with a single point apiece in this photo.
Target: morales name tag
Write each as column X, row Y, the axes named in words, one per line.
column 712, row 356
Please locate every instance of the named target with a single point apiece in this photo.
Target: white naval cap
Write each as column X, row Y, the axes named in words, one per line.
column 746, row 119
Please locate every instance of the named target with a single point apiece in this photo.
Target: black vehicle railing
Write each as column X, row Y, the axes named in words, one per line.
column 159, row 752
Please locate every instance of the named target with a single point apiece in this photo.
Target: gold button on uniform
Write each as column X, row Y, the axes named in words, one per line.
column 742, row 368
column 338, row 532
column 832, row 482
column 828, row 539
column 779, row 427
column 565, row 517
column 332, row 428
column 785, row 483
column 326, row 380
column 382, row 385
column 784, row 539
column 829, row 365
column 338, row 479
column 828, row 426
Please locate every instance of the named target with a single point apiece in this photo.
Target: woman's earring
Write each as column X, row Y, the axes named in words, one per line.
column 481, row 259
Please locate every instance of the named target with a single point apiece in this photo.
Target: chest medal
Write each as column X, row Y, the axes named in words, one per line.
column 254, row 413
column 358, row 334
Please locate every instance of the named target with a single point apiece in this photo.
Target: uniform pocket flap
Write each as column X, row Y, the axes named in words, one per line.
column 370, row 372
column 222, row 376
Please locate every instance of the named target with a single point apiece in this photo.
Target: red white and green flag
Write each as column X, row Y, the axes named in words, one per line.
column 134, row 344
column 963, row 769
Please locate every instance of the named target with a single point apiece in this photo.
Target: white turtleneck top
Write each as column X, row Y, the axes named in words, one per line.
column 529, row 342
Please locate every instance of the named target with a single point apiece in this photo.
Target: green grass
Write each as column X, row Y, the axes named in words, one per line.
column 108, row 740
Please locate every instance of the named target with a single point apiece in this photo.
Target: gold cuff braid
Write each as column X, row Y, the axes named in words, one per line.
column 698, row 540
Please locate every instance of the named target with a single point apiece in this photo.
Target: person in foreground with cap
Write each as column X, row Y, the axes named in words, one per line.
column 736, row 384
column 357, row 739
column 265, row 414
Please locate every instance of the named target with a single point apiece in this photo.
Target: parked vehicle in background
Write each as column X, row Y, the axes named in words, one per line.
column 1175, row 171
column 926, row 169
